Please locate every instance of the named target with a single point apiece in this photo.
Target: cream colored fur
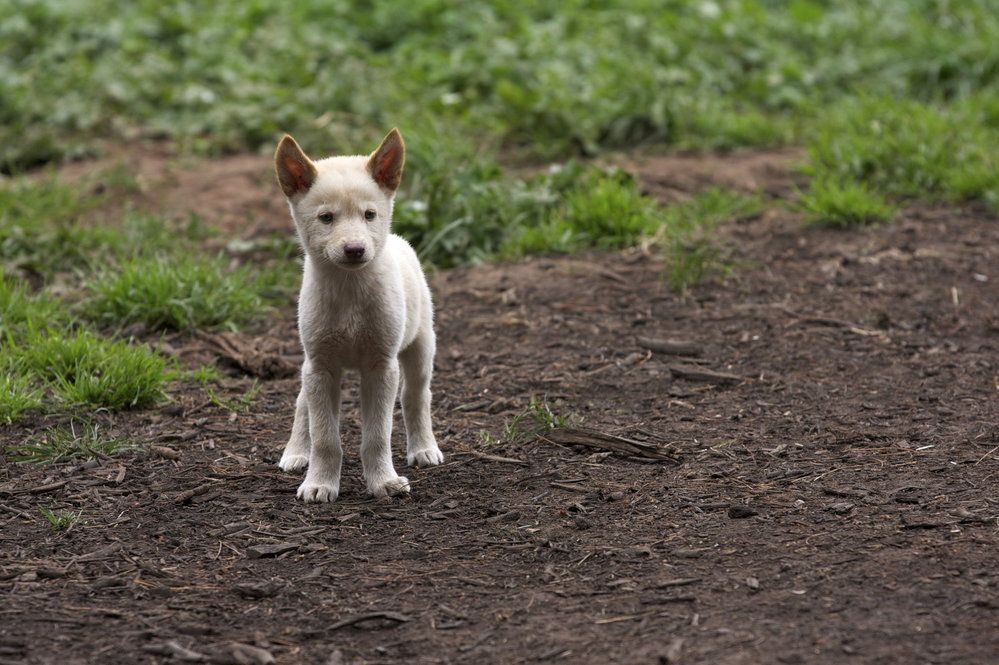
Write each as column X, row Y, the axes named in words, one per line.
column 372, row 314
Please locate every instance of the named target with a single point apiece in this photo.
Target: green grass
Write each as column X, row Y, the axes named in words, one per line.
column 583, row 208
column 45, row 230
column 138, row 269
column 74, row 441
column 17, row 395
column 539, row 417
column 21, row 313
column 61, row 520
column 844, row 205
column 85, row 369
column 179, row 293
column 49, row 363
column 907, row 149
column 552, row 78
column 690, row 249
column 238, row 404
column 40, row 230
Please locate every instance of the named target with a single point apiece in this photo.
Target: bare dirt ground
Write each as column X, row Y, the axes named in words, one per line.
column 829, row 493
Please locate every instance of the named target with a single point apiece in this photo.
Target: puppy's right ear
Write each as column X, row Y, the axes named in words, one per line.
column 295, row 171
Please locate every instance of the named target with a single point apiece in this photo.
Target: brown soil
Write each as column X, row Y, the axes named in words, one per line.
column 835, row 502
column 236, row 193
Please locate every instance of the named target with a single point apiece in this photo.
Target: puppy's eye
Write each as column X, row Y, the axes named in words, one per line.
column 326, row 217
column 370, row 215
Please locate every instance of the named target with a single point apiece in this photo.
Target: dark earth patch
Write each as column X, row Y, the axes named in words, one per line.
column 837, row 503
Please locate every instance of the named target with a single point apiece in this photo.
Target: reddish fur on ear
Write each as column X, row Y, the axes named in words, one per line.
column 385, row 163
column 295, row 171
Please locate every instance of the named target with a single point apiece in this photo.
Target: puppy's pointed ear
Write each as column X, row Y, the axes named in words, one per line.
column 385, row 163
column 295, row 171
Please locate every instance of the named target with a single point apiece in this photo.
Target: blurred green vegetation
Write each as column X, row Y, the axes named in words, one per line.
column 551, row 78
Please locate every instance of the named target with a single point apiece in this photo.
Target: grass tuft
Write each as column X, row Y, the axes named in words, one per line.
column 22, row 313
column 175, row 294
column 238, row 404
column 61, row 520
column 906, row 148
column 844, row 205
column 536, row 419
column 690, row 249
column 17, row 395
column 70, row 442
column 582, row 208
column 85, row 369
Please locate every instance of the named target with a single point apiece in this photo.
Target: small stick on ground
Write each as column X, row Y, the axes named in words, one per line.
column 674, row 347
column 496, row 458
column 572, row 436
column 187, row 495
column 350, row 621
column 41, row 489
column 694, row 373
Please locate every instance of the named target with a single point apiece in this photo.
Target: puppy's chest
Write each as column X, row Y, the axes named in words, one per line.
column 347, row 335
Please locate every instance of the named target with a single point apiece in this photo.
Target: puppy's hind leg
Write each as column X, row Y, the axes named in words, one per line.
column 296, row 451
column 417, row 362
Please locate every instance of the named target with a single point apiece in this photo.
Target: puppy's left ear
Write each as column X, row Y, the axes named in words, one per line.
column 385, row 163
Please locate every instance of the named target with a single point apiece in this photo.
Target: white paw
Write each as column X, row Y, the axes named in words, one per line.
column 427, row 457
column 317, row 492
column 393, row 486
column 291, row 462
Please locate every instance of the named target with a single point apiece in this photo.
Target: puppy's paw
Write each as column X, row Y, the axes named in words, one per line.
column 317, row 492
column 292, row 462
column 394, row 486
column 427, row 457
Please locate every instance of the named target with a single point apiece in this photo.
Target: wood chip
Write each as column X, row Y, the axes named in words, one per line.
column 673, row 651
column 176, row 651
column 370, row 616
column 258, row 589
column 187, row 495
column 164, row 452
column 41, row 489
column 242, row 654
column 97, row 555
column 680, row 581
column 509, row 516
column 702, row 375
column 271, row 549
column 673, row 347
column 572, row 488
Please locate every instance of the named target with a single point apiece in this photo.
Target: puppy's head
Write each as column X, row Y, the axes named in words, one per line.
column 342, row 206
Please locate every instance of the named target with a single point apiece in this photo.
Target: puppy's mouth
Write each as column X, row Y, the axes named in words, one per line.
column 348, row 263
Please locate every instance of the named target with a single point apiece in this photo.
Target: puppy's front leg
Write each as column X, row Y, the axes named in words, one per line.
column 322, row 480
column 379, row 386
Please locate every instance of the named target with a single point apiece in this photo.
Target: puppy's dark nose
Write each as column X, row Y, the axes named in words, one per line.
column 354, row 250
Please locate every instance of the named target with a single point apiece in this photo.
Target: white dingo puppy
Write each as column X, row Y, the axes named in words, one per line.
column 364, row 305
